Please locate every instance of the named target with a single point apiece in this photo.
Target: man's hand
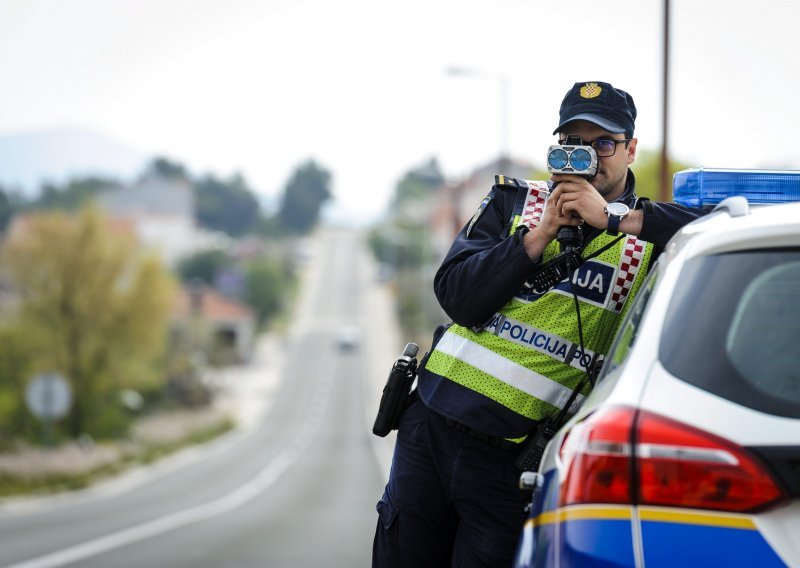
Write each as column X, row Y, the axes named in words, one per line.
column 553, row 218
column 574, row 197
column 573, row 201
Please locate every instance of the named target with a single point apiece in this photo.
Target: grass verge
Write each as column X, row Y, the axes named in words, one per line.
column 74, row 473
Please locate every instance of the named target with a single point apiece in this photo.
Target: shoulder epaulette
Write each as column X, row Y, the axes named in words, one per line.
column 509, row 181
column 505, row 181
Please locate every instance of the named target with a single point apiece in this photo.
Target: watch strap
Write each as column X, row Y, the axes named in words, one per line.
column 613, row 225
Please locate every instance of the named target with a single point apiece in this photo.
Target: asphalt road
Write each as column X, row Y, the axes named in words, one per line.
column 296, row 489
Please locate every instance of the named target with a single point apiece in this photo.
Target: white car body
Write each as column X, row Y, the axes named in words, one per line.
column 635, row 534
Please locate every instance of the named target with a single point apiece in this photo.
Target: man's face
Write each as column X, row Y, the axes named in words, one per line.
column 612, row 171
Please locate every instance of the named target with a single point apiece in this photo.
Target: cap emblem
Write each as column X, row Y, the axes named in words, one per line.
column 591, row 90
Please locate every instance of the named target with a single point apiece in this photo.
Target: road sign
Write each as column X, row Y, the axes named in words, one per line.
column 49, row 396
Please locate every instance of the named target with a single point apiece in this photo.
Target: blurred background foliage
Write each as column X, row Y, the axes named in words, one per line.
column 91, row 308
column 82, row 298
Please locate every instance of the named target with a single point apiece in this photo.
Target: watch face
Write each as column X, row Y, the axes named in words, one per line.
column 617, row 209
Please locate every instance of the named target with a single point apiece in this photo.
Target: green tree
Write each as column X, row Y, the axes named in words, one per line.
column 268, row 283
column 419, row 182
column 74, row 194
column 402, row 245
column 269, row 227
column 305, row 194
column 15, row 368
column 166, row 168
column 6, row 210
column 204, row 266
column 229, row 206
column 647, row 169
column 94, row 309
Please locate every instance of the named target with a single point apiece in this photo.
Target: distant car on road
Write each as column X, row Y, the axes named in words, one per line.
column 348, row 338
column 687, row 452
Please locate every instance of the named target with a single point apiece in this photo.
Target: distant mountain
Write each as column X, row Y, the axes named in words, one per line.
column 28, row 159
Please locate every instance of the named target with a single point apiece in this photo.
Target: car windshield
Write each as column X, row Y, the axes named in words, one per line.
column 733, row 328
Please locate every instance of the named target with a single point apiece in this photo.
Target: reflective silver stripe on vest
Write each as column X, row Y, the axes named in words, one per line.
column 539, row 340
column 514, row 374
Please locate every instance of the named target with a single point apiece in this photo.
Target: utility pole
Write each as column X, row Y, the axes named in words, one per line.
column 665, row 194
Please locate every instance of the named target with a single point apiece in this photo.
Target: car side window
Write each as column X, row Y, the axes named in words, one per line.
column 761, row 341
column 626, row 336
column 744, row 345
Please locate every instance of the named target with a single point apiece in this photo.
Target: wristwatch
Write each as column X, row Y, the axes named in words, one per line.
column 616, row 212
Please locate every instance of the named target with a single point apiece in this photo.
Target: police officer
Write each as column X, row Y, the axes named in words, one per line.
column 512, row 356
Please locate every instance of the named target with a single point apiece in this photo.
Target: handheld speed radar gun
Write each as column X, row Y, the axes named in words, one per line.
column 572, row 158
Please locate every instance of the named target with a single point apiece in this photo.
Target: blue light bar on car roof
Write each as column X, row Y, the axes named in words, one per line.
column 704, row 187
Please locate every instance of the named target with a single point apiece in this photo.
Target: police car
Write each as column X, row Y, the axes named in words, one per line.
column 687, row 452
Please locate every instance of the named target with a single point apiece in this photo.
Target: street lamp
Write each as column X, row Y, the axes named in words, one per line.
column 505, row 100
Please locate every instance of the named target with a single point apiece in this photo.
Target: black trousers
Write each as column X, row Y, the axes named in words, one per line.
column 451, row 500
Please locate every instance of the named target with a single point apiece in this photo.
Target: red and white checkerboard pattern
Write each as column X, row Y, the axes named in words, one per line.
column 629, row 265
column 538, row 191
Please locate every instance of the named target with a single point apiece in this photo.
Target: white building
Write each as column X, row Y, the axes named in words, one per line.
column 162, row 212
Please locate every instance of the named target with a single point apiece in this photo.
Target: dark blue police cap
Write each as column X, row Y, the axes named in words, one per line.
column 601, row 104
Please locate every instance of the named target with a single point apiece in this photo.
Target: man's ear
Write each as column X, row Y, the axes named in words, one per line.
column 632, row 150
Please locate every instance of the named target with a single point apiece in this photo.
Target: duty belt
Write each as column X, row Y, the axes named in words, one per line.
column 495, row 441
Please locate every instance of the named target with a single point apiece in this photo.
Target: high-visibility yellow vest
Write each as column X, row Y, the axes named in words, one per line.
column 528, row 358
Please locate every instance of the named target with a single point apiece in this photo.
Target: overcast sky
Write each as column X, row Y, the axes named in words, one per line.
column 258, row 86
